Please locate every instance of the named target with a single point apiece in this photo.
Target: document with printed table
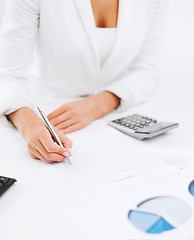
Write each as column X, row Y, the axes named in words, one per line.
column 105, row 167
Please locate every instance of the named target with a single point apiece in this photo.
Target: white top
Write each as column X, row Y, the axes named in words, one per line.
column 106, row 37
column 65, row 62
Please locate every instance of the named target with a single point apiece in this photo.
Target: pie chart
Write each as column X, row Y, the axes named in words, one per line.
column 191, row 188
column 160, row 214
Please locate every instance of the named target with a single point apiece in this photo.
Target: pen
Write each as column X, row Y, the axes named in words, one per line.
column 51, row 129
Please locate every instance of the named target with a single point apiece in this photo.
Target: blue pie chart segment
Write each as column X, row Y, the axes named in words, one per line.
column 191, row 188
column 161, row 226
column 159, row 214
column 148, row 222
column 143, row 220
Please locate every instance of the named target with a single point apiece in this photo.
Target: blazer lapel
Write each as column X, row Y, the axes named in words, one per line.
column 123, row 28
column 86, row 13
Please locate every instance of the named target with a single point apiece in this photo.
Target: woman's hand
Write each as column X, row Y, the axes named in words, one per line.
column 41, row 145
column 76, row 115
column 40, row 142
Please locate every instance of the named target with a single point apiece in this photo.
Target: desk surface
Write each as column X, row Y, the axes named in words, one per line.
column 26, row 214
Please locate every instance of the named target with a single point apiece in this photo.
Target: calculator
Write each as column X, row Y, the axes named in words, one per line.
column 141, row 127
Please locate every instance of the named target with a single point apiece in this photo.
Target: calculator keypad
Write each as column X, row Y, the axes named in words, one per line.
column 135, row 122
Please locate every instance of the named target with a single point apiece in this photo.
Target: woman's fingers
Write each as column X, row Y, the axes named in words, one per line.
column 73, row 128
column 49, row 144
column 49, row 156
column 49, row 150
column 66, row 124
column 57, row 112
column 67, row 143
column 52, row 155
column 34, row 153
column 61, row 118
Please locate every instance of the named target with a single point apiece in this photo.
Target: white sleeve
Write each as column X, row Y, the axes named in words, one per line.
column 141, row 80
column 19, row 29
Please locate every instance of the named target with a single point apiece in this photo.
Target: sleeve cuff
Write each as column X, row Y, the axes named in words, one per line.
column 11, row 105
column 129, row 98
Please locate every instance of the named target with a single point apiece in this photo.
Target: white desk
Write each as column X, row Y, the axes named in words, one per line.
column 24, row 214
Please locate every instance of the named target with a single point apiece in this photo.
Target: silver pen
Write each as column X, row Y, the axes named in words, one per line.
column 51, row 129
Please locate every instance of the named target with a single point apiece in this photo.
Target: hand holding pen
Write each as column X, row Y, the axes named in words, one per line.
column 67, row 153
column 40, row 142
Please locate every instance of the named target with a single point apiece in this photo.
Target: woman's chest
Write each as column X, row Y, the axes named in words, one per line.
column 105, row 13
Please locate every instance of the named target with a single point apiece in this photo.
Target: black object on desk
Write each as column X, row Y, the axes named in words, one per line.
column 5, row 183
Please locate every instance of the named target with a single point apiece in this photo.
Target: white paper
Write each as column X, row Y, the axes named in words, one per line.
column 175, row 157
column 105, row 167
column 106, row 217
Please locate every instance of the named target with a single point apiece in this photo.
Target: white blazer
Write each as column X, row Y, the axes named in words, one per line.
column 66, row 62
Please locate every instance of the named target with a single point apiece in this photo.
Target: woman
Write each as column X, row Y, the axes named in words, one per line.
column 103, row 51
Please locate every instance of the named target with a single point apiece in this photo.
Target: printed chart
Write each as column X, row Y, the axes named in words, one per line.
column 191, row 188
column 160, row 214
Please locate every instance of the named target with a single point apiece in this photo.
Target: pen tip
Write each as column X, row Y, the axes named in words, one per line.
column 69, row 161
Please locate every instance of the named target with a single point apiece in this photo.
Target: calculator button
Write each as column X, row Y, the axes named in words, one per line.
column 116, row 121
column 148, row 121
column 135, row 128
